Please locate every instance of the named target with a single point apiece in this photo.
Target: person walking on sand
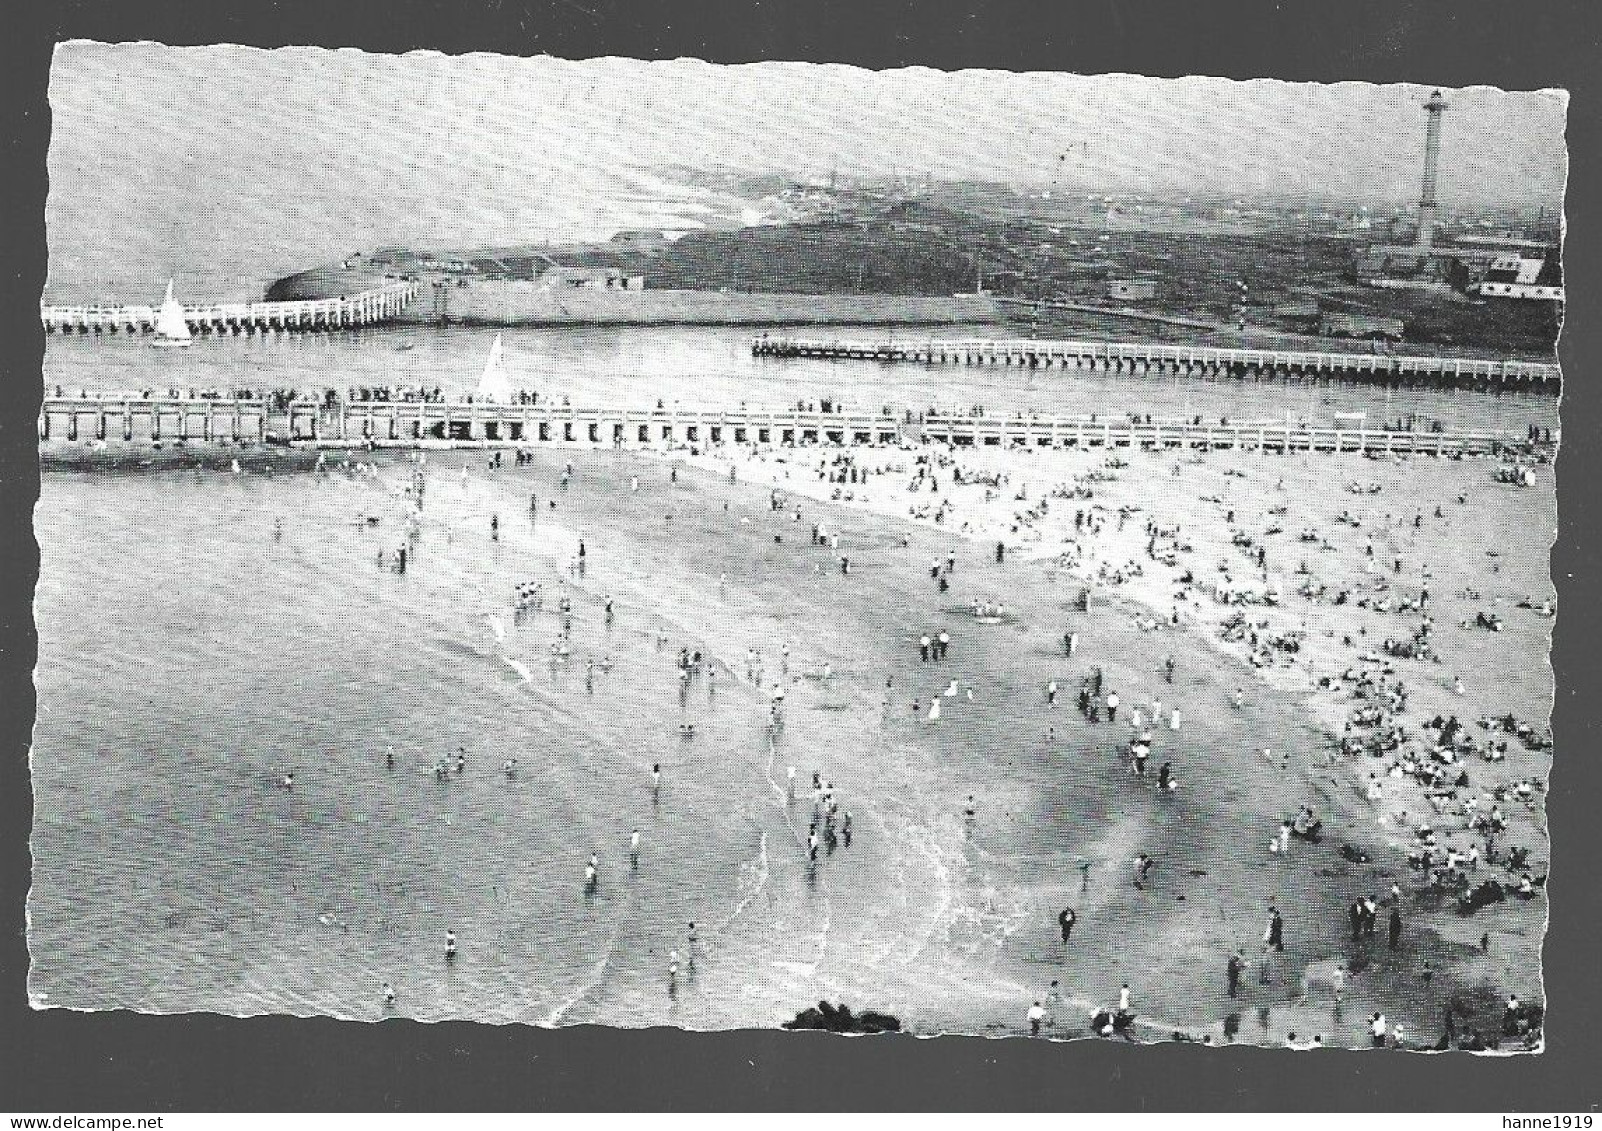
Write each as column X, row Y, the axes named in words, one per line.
column 1232, row 972
column 1037, row 1014
column 1143, row 867
column 1395, row 928
column 1051, row 693
column 1065, row 920
column 1112, row 706
column 450, row 946
column 1275, row 935
column 634, row 848
column 389, row 995
column 1123, row 998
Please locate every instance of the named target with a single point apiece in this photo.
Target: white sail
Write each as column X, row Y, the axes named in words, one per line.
column 170, row 324
column 495, row 385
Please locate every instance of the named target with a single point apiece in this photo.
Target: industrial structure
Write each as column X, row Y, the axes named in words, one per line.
column 1435, row 107
column 1498, row 267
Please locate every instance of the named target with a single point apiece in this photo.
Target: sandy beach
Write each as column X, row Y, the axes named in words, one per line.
column 1165, row 545
column 945, row 919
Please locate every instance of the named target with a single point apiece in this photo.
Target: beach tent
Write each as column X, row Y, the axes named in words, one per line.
column 495, row 386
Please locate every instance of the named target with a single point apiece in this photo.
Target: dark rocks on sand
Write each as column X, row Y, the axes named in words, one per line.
column 839, row 1019
column 1487, row 893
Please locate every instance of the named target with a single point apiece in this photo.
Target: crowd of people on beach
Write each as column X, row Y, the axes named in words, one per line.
column 1449, row 849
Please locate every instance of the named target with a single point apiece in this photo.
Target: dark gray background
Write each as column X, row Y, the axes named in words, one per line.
column 59, row 1061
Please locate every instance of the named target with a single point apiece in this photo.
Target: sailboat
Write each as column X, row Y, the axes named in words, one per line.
column 171, row 329
column 495, row 386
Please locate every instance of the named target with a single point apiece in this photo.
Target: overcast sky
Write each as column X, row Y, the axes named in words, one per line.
column 443, row 149
column 1198, row 133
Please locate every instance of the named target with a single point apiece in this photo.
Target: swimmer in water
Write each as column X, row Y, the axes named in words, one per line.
column 389, row 758
column 287, row 781
column 509, row 768
column 389, row 994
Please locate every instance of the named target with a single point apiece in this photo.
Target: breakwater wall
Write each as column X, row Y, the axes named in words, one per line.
column 519, row 303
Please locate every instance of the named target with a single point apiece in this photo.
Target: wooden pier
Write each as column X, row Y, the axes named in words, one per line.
column 1155, row 359
column 366, row 309
column 1251, row 435
column 331, row 421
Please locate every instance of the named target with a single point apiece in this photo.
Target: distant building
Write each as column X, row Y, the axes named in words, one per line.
column 1131, row 290
column 1339, row 324
column 592, row 278
column 1522, row 276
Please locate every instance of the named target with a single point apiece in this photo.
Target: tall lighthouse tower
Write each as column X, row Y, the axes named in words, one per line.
column 1435, row 107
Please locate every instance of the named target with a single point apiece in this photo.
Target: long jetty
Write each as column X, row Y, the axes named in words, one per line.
column 368, row 308
column 1155, row 359
column 330, row 420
